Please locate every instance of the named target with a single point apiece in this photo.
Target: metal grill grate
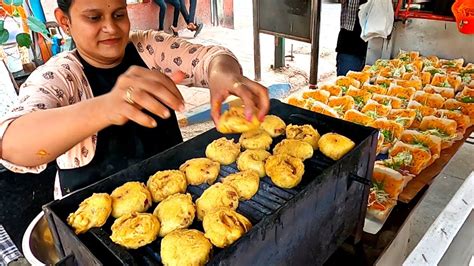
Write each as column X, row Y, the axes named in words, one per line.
column 325, row 188
column 268, row 199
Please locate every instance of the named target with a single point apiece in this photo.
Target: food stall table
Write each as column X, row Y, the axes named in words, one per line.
column 410, row 222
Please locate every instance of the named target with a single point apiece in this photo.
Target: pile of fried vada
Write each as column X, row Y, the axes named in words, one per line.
column 136, row 226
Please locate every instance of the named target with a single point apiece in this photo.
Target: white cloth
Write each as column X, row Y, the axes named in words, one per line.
column 8, row 251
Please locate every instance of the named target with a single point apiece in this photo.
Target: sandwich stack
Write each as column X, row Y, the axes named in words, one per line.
column 421, row 105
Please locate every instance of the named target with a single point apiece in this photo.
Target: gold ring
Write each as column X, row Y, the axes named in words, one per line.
column 128, row 95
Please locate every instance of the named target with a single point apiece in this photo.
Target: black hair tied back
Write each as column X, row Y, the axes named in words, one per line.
column 64, row 5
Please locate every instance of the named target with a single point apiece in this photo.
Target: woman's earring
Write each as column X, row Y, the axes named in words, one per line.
column 67, row 31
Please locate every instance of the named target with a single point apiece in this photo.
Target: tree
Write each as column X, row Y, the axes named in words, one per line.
column 14, row 9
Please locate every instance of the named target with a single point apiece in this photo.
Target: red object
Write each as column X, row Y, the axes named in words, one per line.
column 463, row 11
column 407, row 13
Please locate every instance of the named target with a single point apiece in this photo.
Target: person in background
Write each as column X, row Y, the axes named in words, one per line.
column 179, row 6
column 162, row 4
column 351, row 49
column 190, row 17
column 111, row 102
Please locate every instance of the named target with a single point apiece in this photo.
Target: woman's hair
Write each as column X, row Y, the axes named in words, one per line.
column 64, row 5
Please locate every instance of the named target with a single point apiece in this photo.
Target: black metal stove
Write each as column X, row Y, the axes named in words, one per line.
column 298, row 226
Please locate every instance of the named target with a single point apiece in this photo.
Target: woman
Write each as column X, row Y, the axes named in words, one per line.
column 111, row 85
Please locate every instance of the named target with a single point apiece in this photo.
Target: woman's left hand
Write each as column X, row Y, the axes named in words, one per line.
column 225, row 79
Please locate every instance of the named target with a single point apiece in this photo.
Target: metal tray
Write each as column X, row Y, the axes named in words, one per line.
column 303, row 225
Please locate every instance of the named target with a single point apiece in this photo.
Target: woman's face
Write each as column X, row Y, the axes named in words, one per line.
column 100, row 30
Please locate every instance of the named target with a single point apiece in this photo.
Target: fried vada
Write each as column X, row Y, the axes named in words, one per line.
column 256, row 139
column 294, row 147
column 175, row 212
column 234, row 121
column 217, row 195
column 253, row 160
column 224, row 226
column 92, row 212
column 165, row 183
column 130, row 197
column 200, row 170
column 245, row 183
column 135, row 230
column 284, row 170
column 334, row 145
column 185, row 247
column 224, row 151
column 273, row 125
column 306, row 133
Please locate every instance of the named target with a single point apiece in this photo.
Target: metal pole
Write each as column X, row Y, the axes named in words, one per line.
column 279, row 52
column 315, row 23
column 214, row 13
column 256, row 41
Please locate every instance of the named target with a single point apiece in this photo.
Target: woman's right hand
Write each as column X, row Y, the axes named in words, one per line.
column 141, row 88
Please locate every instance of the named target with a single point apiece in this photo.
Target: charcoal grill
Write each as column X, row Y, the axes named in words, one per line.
column 298, row 226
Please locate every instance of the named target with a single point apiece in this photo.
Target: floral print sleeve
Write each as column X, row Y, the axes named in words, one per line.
column 169, row 54
column 52, row 85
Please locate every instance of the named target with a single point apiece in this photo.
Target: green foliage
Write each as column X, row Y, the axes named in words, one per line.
column 37, row 26
column 4, row 35
column 23, row 40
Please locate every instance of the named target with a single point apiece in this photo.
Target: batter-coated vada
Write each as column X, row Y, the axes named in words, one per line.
column 92, row 212
column 273, row 125
column 185, row 247
column 295, row 148
column 217, row 195
column 234, row 121
column 165, row 183
column 245, row 183
column 253, row 160
column 334, row 145
column 130, row 197
column 175, row 212
column 306, row 133
column 200, row 170
column 284, row 170
column 135, row 230
column 256, row 139
column 224, row 226
column 224, row 151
